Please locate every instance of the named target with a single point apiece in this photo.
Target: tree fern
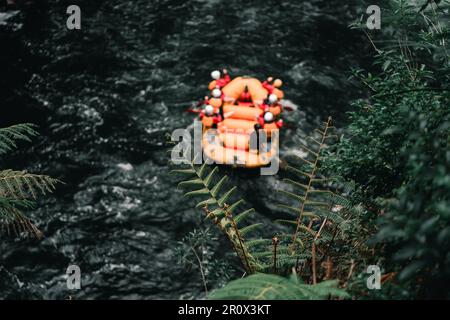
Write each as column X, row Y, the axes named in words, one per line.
column 18, row 187
column 273, row 287
column 309, row 188
column 321, row 215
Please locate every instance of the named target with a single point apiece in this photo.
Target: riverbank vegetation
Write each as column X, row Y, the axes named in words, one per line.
column 376, row 192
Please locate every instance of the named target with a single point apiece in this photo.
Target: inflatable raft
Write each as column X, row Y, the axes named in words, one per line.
column 241, row 121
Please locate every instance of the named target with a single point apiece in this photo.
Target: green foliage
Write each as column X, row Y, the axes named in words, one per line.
column 11, row 135
column 18, row 189
column 308, row 186
column 198, row 250
column 321, row 217
column 209, row 186
column 272, row 287
column 21, row 184
column 396, row 151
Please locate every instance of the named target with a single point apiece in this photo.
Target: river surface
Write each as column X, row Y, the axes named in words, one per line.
column 107, row 96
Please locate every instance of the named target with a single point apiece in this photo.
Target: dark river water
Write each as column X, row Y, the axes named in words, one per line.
column 106, row 97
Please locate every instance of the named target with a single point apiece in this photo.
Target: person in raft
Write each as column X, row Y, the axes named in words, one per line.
column 203, row 102
column 245, row 96
column 209, row 118
column 268, row 85
column 219, row 80
column 272, row 86
column 267, row 121
column 269, row 102
column 217, row 99
column 217, row 93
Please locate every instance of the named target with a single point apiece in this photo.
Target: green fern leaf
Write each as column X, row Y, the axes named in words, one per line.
column 210, row 176
column 233, row 207
column 200, row 192
column 293, row 195
column 272, row 287
column 285, row 221
column 243, row 215
column 226, row 196
column 250, row 228
column 258, row 242
column 193, row 182
column 215, row 191
column 295, row 183
column 21, row 184
column 202, row 170
column 297, row 211
column 185, row 172
column 11, row 135
column 206, row 202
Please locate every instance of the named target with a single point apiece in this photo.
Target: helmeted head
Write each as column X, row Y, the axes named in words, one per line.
column 209, row 110
column 215, row 74
column 268, row 117
column 273, row 98
column 277, row 83
column 217, row 93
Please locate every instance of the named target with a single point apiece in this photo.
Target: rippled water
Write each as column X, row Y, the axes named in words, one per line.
column 107, row 96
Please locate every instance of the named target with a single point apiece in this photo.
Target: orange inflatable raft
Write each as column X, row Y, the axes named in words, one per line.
column 242, row 138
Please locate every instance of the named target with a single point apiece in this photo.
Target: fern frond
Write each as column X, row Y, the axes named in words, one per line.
column 258, row 242
column 193, row 182
column 307, row 199
column 208, row 179
column 297, row 211
column 187, row 172
column 11, row 135
column 287, row 222
column 232, row 208
column 199, row 192
column 299, row 172
column 206, row 202
column 220, row 213
column 250, row 228
column 293, row 195
column 296, row 184
column 272, row 287
column 21, row 184
column 226, row 196
column 215, row 191
column 243, row 215
column 13, row 221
